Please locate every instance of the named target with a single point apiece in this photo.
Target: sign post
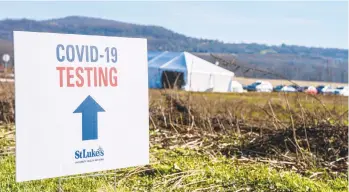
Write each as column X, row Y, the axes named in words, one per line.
column 6, row 59
column 81, row 104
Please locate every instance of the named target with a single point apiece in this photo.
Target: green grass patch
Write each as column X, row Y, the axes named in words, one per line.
column 181, row 170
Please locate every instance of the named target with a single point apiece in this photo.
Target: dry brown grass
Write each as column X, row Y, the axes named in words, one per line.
column 301, row 131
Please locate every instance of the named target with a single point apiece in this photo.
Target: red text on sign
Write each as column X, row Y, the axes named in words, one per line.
column 87, row 76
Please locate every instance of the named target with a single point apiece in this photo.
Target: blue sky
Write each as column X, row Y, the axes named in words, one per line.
column 319, row 24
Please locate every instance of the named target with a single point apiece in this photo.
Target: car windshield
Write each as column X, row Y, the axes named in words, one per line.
column 256, row 83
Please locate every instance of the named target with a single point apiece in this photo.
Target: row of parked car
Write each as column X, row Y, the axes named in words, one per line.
column 265, row 86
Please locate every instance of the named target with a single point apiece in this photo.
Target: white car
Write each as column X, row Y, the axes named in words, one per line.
column 328, row 90
column 342, row 91
column 325, row 89
column 288, row 89
column 260, row 86
column 236, row 87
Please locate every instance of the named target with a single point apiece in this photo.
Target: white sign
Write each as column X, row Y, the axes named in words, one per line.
column 6, row 58
column 81, row 104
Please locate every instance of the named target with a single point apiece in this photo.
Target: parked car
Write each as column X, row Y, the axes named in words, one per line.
column 325, row 89
column 310, row 90
column 344, row 91
column 260, row 86
column 319, row 88
column 303, row 88
column 278, row 88
column 285, row 88
column 289, row 89
column 328, row 90
column 236, row 87
column 297, row 87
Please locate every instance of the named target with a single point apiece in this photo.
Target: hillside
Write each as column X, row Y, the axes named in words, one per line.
column 291, row 66
column 295, row 62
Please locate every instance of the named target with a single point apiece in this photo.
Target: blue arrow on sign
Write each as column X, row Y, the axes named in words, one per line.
column 89, row 109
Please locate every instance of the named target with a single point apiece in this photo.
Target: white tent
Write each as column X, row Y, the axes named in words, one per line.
column 196, row 74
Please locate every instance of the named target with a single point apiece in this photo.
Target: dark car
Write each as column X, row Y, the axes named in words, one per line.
column 296, row 87
column 319, row 88
column 253, row 86
column 278, row 88
column 303, row 88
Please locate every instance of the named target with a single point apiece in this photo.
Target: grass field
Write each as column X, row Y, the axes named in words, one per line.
column 221, row 142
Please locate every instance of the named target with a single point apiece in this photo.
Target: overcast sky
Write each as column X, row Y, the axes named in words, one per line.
column 319, row 24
